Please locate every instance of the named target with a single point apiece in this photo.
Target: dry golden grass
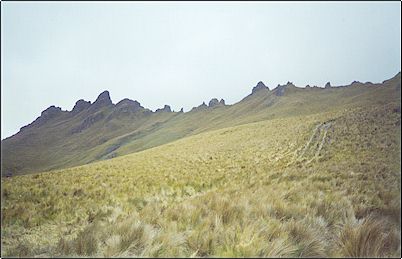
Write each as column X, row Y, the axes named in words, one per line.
column 244, row 191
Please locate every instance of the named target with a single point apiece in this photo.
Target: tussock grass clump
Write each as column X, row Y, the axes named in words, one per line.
column 250, row 200
column 368, row 237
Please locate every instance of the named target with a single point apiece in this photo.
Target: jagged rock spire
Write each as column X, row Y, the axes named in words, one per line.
column 103, row 100
column 260, row 85
column 166, row 108
column 81, row 105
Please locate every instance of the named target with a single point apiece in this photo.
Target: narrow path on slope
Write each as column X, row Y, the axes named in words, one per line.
column 311, row 150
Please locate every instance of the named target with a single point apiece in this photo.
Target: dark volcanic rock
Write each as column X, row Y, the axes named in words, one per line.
column 46, row 115
column 214, row 102
column 51, row 112
column 126, row 105
column 328, row 85
column 200, row 107
column 88, row 122
column 280, row 90
column 259, row 87
column 290, row 84
column 166, row 108
column 102, row 100
column 80, row 105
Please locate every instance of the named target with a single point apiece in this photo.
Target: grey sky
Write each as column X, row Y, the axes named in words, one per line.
column 182, row 54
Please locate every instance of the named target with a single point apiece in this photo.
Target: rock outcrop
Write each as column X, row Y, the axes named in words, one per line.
column 290, row 84
column 166, row 108
column 328, row 85
column 80, row 105
column 213, row 102
column 200, row 107
column 45, row 116
column 280, row 90
column 88, row 122
column 102, row 100
column 51, row 112
column 126, row 105
column 260, row 85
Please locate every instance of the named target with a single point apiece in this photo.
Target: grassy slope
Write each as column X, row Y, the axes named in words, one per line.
column 277, row 187
column 53, row 147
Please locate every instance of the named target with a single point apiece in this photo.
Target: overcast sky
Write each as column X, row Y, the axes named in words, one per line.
column 182, row 54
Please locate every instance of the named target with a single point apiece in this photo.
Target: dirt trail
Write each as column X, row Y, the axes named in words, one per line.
column 311, row 150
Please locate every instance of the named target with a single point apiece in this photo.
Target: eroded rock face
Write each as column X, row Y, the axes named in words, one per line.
column 280, row 90
column 45, row 116
column 88, row 122
column 166, row 108
column 127, row 105
column 289, row 84
column 102, row 100
column 51, row 112
column 80, row 105
column 200, row 107
column 258, row 87
column 214, row 102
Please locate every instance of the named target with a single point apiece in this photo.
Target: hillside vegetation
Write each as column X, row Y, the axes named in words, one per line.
column 103, row 130
column 294, row 179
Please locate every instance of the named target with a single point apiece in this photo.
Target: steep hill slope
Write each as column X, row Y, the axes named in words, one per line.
column 103, row 130
column 301, row 185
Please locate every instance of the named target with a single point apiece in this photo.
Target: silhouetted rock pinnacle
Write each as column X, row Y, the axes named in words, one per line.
column 214, row 102
column 200, row 107
column 258, row 87
column 290, row 84
column 166, row 108
column 102, row 100
column 127, row 105
column 81, row 105
column 51, row 112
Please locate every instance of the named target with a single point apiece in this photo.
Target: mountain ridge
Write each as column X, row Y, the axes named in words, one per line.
column 103, row 130
column 104, row 99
